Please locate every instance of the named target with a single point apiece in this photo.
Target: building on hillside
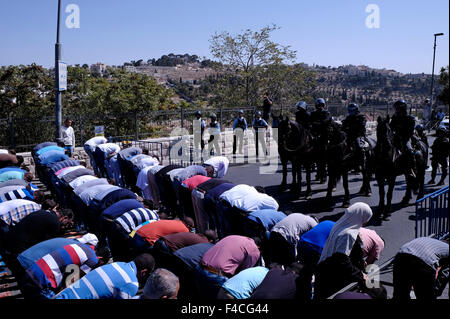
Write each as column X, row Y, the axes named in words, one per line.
column 98, row 68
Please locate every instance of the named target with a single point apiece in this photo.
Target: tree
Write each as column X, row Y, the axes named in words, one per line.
column 287, row 83
column 444, row 96
column 245, row 52
column 25, row 91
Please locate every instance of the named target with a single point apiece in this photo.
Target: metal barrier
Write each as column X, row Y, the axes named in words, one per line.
column 432, row 214
column 354, row 285
column 23, row 133
column 154, row 148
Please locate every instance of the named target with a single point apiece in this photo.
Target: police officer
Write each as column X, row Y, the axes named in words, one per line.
column 199, row 129
column 239, row 127
column 421, row 135
column 320, row 120
column 402, row 126
column 302, row 116
column 426, row 116
column 214, row 135
column 439, row 149
column 260, row 126
column 267, row 106
column 354, row 126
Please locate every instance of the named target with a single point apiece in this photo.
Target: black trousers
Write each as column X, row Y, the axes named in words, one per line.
column 412, row 272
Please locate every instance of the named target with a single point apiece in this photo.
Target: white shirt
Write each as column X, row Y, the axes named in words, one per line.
column 142, row 182
column 81, row 180
column 109, row 148
column 220, row 164
column 145, row 161
column 93, row 142
column 248, row 199
column 68, row 135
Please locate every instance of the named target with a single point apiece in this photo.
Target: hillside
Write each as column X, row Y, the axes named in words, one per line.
column 193, row 80
column 368, row 86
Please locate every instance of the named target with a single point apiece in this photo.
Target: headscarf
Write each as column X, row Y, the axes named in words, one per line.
column 344, row 233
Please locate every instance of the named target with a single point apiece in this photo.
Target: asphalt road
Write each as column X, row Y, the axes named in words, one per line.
column 397, row 231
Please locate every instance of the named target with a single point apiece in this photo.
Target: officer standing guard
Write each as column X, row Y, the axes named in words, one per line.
column 198, row 130
column 239, row 127
column 320, row 119
column 260, row 126
column 214, row 135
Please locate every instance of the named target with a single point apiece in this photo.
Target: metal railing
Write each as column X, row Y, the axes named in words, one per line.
column 23, row 133
column 386, row 266
column 432, row 215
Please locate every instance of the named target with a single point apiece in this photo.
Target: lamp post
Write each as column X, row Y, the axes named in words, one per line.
column 432, row 72
column 58, row 100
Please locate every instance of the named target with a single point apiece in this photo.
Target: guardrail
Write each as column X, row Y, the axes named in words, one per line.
column 432, row 215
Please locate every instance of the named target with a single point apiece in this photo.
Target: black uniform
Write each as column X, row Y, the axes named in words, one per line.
column 403, row 129
column 267, row 108
column 214, row 129
column 354, row 127
column 303, row 117
column 320, row 120
column 259, row 125
column 440, row 152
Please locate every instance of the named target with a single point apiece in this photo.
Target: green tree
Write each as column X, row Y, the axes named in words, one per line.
column 246, row 52
column 444, row 95
column 25, row 91
column 287, row 83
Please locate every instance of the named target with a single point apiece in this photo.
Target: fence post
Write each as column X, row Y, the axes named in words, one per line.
column 221, row 113
column 80, row 117
column 137, row 125
column 11, row 132
column 182, row 117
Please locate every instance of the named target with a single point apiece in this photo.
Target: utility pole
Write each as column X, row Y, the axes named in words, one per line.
column 58, row 95
column 432, row 72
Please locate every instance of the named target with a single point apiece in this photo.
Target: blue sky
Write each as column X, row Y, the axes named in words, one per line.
column 323, row 32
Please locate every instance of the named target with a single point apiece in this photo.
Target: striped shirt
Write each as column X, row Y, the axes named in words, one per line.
column 117, row 280
column 66, row 170
column 133, row 218
column 49, row 271
column 9, row 188
column 66, row 163
column 21, row 193
column 428, row 249
column 15, row 210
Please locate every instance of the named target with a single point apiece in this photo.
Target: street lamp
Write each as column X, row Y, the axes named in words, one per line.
column 432, row 72
column 58, row 100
